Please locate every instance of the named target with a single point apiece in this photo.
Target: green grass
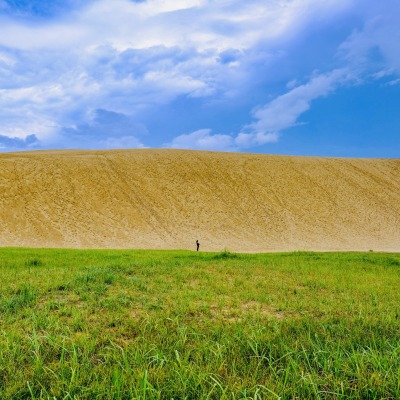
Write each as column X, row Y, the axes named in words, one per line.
column 185, row 325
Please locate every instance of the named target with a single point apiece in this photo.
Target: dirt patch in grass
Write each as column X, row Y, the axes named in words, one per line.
column 58, row 300
column 192, row 283
column 136, row 313
column 251, row 308
column 257, row 307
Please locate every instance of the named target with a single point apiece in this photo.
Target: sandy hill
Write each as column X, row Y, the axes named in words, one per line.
column 164, row 199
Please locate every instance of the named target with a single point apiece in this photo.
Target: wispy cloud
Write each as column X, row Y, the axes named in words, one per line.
column 375, row 45
column 283, row 112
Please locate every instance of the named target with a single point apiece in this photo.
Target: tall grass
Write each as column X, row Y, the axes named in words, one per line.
column 185, row 325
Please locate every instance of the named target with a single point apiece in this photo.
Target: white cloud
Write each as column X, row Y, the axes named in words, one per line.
column 206, row 24
column 376, row 44
column 394, row 82
column 204, row 140
column 41, row 109
column 174, row 83
column 248, row 140
column 7, row 60
column 154, row 7
column 122, row 142
column 283, row 112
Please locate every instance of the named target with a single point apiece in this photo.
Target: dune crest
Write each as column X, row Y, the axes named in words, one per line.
column 166, row 199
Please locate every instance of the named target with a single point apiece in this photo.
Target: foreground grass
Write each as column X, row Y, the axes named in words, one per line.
column 174, row 324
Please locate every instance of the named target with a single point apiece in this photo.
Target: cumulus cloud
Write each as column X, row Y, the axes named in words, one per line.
column 63, row 64
column 200, row 24
column 203, row 139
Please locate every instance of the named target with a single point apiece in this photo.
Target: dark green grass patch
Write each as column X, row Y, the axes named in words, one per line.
column 184, row 325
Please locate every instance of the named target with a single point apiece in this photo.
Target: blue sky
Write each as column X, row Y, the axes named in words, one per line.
column 303, row 77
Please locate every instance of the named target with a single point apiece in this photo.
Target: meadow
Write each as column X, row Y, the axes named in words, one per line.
column 102, row 324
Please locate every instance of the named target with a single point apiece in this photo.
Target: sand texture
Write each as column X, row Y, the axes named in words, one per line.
column 166, row 199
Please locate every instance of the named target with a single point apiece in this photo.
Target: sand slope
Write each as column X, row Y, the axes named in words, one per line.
column 169, row 198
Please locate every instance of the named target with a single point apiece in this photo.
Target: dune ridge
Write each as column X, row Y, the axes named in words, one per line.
column 166, row 199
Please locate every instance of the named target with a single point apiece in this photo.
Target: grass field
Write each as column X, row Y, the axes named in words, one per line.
column 80, row 324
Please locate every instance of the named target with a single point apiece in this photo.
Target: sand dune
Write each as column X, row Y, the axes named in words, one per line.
column 164, row 199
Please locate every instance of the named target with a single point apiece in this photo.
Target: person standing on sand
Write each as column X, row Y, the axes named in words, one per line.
column 197, row 245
